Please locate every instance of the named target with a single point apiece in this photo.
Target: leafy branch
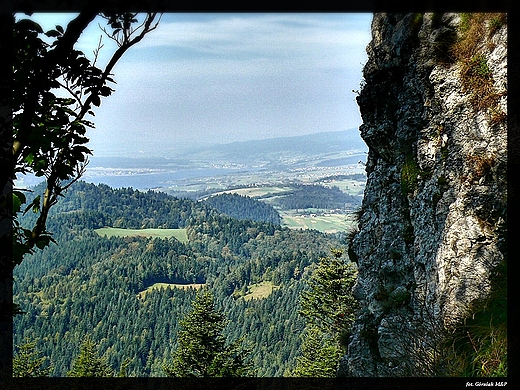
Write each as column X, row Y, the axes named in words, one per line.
column 48, row 131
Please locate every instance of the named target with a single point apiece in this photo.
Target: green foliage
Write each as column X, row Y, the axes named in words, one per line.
column 308, row 196
column 27, row 361
column 124, row 367
column 410, row 174
column 478, row 68
column 244, row 207
column 46, row 132
column 329, row 309
column 465, row 19
column 91, row 284
column 319, row 355
column 417, row 20
column 496, row 22
column 179, row 234
column 88, row 363
column 203, row 351
column 329, row 304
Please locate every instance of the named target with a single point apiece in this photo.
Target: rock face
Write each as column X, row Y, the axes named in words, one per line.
column 432, row 222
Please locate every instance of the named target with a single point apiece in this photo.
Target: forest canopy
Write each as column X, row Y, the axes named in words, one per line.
column 83, row 284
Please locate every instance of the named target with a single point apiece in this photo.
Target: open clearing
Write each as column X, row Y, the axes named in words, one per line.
column 254, row 192
column 259, row 290
column 179, row 234
column 331, row 223
column 348, row 186
column 159, row 286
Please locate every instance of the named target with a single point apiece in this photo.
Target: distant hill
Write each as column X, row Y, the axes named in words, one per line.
column 268, row 150
column 244, row 207
column 315, row 151
column 328, row 143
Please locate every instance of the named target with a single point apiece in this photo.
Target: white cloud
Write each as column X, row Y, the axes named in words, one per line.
column 224, row 77
column 260, row 35
column 250, row 45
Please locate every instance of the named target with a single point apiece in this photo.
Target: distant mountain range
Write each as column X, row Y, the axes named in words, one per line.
column 335, row 146
column 328, row 143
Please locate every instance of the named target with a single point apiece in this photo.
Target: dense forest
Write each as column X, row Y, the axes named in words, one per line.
column 308, row 196
column 244, row 207
column 108, row 287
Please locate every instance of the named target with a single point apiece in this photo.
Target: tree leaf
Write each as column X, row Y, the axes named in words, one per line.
column 18, row 199
column 52, row 33
column 35, row 205
column 105, row 91
column 44, row 241
column 29, row 158
column 30, row 25
column 96, row 100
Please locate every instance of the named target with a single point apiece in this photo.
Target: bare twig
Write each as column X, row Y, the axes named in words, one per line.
column 147, row 27
column 97, row 50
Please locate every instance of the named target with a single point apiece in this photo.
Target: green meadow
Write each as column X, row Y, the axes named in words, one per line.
column 259, row 290
column 331, row 223
column 159, row 286
column 255, row 192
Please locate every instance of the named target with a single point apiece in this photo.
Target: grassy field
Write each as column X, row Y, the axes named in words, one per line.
column 259, row 290
column 179, row 234
column 351, row 187
column 159, row 286
column 254, row 192
column 331, row 223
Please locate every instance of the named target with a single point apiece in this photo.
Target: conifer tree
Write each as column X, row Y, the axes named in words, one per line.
column 319, row 357
column 202, row 349
column 328, row 303
column 27, row 362
column 329, row 308
column 88, row 363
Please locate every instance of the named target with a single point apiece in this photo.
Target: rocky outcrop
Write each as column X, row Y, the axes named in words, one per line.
column 433, row 214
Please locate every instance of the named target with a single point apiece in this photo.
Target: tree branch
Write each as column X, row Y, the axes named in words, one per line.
column 63, row 47
column 115, row 58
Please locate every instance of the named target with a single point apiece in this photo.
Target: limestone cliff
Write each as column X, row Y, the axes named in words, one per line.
column 431, row 226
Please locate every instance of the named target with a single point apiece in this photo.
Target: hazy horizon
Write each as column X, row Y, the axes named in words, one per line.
column 210, row 159
column 184, row 150
column 216, row 78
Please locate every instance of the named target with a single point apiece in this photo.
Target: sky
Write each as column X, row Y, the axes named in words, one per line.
column 205, row 78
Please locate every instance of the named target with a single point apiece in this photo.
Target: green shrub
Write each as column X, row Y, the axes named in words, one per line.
column 465, row 22
column 496, row 22
column 442, row 181
column 478, row 67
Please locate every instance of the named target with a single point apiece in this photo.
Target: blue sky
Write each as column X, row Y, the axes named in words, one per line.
column 218, row 78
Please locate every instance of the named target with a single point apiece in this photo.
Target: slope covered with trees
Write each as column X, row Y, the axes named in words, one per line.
column 102, row 286
column 54, row 90
column 244, row 207
column 305, row 196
